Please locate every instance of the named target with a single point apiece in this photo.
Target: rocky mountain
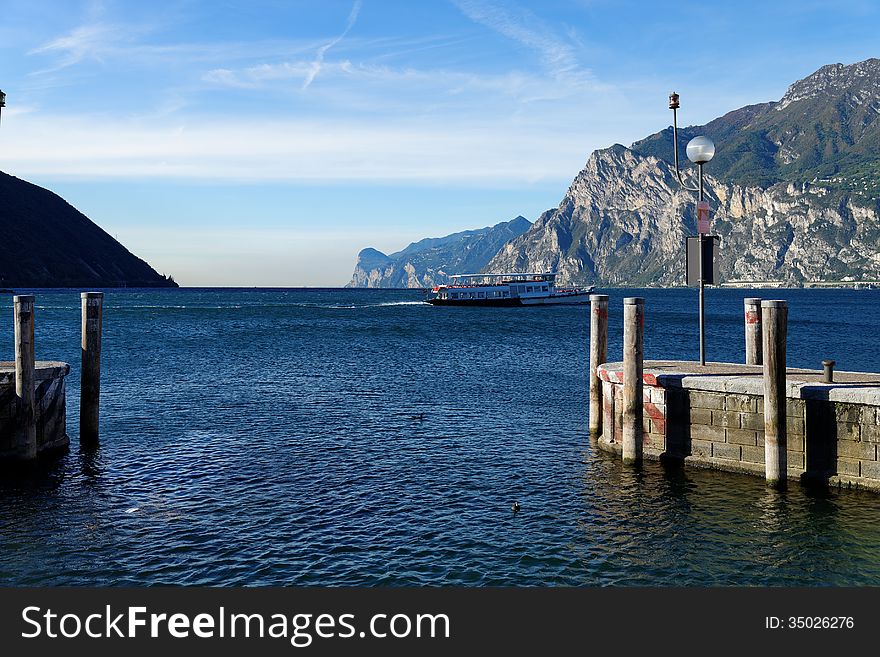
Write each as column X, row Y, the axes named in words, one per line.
column 431, row 261
column 46, row 242
column 794, row 191
column 826, row 127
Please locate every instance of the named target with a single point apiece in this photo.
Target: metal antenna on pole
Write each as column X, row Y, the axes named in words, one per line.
column 699, row 151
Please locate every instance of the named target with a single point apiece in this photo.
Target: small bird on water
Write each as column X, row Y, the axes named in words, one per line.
column 515, row 507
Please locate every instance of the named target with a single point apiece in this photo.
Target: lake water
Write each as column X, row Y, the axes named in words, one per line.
column 360, row 437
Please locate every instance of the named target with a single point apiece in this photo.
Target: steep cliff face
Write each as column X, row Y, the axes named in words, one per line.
column 793, row 193
column 431, row 261
column 624, row 221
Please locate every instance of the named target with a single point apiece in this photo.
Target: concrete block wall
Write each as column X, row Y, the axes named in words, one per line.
column 51, row 408
column 835, row 441
column 654, row 417
column 857, row 428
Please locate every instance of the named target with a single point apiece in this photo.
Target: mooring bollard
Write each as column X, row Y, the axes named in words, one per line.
column 775, row 320
column 828, row 371
column 598, row 356
column 90, row 381
column 753, row 331
column 633, row 353
column 25, row 376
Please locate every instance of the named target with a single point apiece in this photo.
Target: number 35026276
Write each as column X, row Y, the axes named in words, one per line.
column 809, row 622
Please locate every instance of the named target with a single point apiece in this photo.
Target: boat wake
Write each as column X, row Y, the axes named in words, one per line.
column 374, row 305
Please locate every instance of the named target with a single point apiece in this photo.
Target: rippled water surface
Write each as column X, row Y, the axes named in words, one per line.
column 359, row 437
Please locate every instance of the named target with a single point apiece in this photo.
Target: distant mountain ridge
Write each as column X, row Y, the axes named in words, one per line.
column 794, row 192
column 46, row 242
column 431, row 261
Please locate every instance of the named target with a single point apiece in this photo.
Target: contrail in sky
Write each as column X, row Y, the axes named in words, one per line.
column 319, row 59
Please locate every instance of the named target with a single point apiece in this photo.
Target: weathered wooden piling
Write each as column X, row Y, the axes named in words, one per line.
column 25, row 376
column 633, row 354
column 90, row 387
column 775, row 326
column 753, row 331
column 598, row 356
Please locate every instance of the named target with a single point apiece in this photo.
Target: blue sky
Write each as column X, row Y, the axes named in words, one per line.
column 267, row 142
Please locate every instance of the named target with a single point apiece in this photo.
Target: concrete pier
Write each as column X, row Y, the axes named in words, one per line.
column 598, row 355
column 713, row 417
column 50, row 414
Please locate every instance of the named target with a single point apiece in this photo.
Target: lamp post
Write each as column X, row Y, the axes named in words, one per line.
column 2, row 101
column 699, row 151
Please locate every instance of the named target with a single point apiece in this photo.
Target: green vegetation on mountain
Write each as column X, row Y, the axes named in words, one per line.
column 826, row 128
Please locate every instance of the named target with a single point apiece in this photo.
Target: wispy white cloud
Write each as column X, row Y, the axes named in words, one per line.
column 117, row 44
column 521, row 25
column 226, row 78
column 367, row 86
column 262, row 75
column 373, row 117
column 488, row 151
column 319, row 58
column 91, row 41
column 267, row 73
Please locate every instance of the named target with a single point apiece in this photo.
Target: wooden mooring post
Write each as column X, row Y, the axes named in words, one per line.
column 25, row 377
column 598, row 356
column 633, row 384
column 90, row 381
column 775, row 327
column 754, row 352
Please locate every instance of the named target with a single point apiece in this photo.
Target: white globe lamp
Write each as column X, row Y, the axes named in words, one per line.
column 700, row 150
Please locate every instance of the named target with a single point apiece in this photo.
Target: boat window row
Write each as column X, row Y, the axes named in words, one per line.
column 497, row 294
column 525, row 289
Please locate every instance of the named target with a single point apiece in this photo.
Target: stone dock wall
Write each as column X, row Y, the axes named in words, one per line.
column 716, row 421
column 50, row 409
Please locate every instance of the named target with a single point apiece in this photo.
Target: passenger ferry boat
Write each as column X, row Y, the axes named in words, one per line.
column 526, row 289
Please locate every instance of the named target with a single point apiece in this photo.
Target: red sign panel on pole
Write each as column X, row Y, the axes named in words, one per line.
column 703, row 217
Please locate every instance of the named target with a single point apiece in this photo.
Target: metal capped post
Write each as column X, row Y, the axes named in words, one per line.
column 25, row 376
column 775, row 323
column 828, row 371
column 633, row 384
column 754, row 352
column 598, row 356
column 90, row 388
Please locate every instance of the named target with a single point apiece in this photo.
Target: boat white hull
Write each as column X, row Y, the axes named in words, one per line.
column 573, row 298
column 556, row 300
column 515, row 289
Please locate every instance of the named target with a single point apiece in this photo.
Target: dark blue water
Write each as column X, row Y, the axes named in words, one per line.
column 358, row 437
